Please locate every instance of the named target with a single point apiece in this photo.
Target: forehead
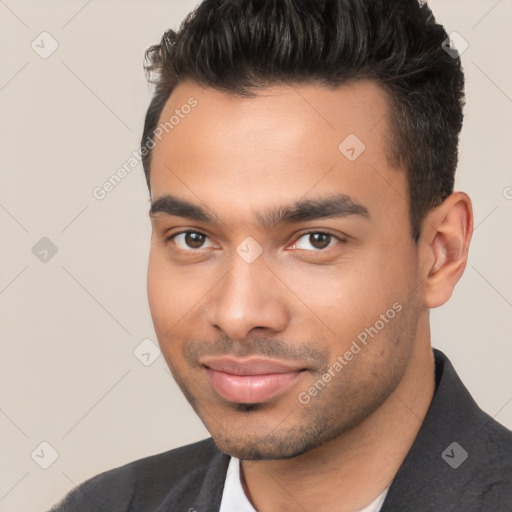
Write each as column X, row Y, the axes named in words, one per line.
column 229, row 151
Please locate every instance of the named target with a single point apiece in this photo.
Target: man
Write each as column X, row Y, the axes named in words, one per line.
column 300, row 157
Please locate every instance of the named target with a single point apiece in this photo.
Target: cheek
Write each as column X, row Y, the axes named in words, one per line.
column 166, row 297
column 174, row 293
column 156, row 289
column 163, row 298
column 345, row 299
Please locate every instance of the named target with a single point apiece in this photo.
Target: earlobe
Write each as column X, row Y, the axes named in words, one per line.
column 448, row 231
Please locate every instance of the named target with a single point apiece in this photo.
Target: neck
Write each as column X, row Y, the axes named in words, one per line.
column 349, row 472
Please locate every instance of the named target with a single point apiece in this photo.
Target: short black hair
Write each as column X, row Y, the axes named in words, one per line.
column 240, row 46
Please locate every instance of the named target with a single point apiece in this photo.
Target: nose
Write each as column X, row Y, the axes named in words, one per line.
column 249, row 297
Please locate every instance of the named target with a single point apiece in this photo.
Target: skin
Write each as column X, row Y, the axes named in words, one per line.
column 298, row 301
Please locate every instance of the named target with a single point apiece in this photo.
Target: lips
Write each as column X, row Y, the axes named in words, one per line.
column 251, row 380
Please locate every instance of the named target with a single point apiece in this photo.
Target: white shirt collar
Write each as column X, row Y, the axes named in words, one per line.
column 235, row 500
column 233, row 496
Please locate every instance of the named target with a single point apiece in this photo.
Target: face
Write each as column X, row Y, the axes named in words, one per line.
column 282, row 276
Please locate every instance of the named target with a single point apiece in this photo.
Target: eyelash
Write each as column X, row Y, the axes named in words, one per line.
column 343, row 241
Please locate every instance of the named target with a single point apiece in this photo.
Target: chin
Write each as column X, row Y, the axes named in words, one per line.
column 251, row 446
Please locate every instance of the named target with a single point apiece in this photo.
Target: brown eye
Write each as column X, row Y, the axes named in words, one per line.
column 316, row 241
column 189, row 240
column 320, row 240
column 194, row 240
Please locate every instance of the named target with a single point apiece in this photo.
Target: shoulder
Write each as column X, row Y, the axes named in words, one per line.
column 476, row 448
column 461, row 459
column 144, row 482
column 489, row 485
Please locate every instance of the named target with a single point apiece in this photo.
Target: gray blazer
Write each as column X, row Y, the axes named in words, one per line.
column 461, row 461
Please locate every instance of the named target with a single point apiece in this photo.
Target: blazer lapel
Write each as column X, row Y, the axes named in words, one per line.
column 446, row 453
column 201, row 489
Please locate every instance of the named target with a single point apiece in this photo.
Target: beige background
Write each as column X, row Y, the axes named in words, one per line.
column 69, row 326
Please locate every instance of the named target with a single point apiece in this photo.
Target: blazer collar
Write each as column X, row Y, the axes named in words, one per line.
column 430, row 477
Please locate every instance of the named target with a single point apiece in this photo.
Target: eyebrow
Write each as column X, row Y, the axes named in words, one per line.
column 333, row 206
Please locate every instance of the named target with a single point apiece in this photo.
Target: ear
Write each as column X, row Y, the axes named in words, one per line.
column 444, row 245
